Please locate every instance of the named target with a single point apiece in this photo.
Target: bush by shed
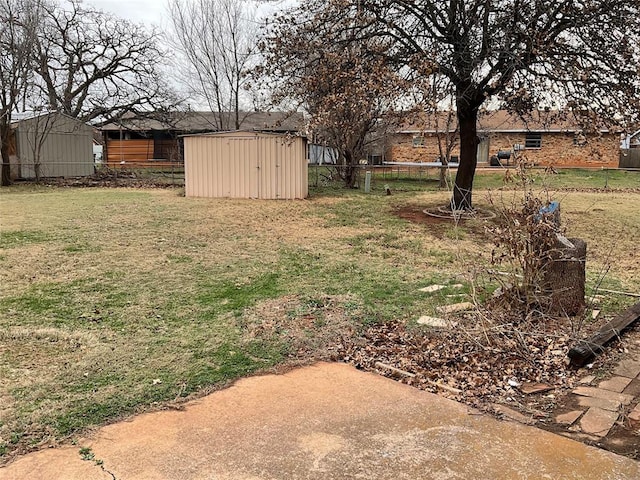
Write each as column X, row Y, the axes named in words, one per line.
column 246, row 165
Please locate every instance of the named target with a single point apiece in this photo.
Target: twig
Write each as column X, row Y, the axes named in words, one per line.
column 456, row 391
column 616, row 292
column 412, row 375
column 394, row 369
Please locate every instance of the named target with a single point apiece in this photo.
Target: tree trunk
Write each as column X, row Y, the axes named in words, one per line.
column 350, row 171
column 4, row 150
column 462, row 190
column 443, row 172
column 6, row 169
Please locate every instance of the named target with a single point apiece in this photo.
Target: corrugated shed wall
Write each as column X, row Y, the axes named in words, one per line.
column 246, row 165
column 66, row 147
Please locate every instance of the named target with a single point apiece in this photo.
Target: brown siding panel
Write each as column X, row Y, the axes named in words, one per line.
column 129, row 151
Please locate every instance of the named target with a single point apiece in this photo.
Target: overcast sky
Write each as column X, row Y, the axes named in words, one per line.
column 144, row 11
column 154, row 12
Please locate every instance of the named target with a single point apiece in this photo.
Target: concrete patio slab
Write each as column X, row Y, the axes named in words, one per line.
column 326, row 421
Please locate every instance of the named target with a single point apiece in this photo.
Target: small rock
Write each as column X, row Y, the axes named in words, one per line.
column 587, row 380
column 602, row 403
column 598, row 422
column 156, row 381
column 594, row 314
column 628, row 368
column 604, row 394
column 569, row 418
column 434, row 322
column 615, row 384
column 634, row 415
column 432, row 288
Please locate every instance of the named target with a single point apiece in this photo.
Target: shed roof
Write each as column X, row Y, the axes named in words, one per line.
column 244, row 132
column 208, row 121
column 59, row 119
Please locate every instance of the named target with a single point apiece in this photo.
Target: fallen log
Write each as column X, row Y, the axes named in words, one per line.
column 586, row 349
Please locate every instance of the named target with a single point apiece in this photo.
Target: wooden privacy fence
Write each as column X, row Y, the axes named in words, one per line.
column 630, row 158
column 129, row 151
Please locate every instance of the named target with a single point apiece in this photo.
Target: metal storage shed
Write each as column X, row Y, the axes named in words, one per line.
column 51, row 145
column 246, row 164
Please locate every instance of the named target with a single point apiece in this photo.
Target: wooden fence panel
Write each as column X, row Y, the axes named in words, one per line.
column 129, row 151
column 630, row 158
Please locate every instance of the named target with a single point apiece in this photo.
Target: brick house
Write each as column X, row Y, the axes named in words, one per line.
column 542, row 139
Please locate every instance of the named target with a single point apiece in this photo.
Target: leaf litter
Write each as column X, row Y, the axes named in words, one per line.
column 470, row 364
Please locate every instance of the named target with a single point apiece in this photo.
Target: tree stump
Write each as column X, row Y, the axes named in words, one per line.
column 564, row 278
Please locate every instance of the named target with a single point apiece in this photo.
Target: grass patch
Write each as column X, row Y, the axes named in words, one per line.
column 21, row 238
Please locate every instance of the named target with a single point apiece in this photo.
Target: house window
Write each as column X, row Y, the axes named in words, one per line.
column 533, row 140
column 579, row 139
column 418, row 141
column 374, row 159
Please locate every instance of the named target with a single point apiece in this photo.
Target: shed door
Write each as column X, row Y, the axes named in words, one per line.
column 268, row 166
column 282, row 167
column 241, row 167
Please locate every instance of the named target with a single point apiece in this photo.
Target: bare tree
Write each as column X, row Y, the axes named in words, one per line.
column 438, row 116
column 346, row 87
column 577, row 55
column 217, row 41
column 18, row 24
column 36, row 136
column 96, row 66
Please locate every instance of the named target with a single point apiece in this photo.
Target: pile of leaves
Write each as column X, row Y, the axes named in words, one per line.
column 477, row 366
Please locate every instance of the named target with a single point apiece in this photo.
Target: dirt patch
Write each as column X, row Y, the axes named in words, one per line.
column 312, row 329
column 438, row 225
column 415, row 214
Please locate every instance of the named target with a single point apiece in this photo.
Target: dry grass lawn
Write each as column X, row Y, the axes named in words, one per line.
column 116, row 300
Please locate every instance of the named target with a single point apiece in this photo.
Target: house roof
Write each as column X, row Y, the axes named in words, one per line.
column 499, row 121
column 244, row 132
column 208, row 121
